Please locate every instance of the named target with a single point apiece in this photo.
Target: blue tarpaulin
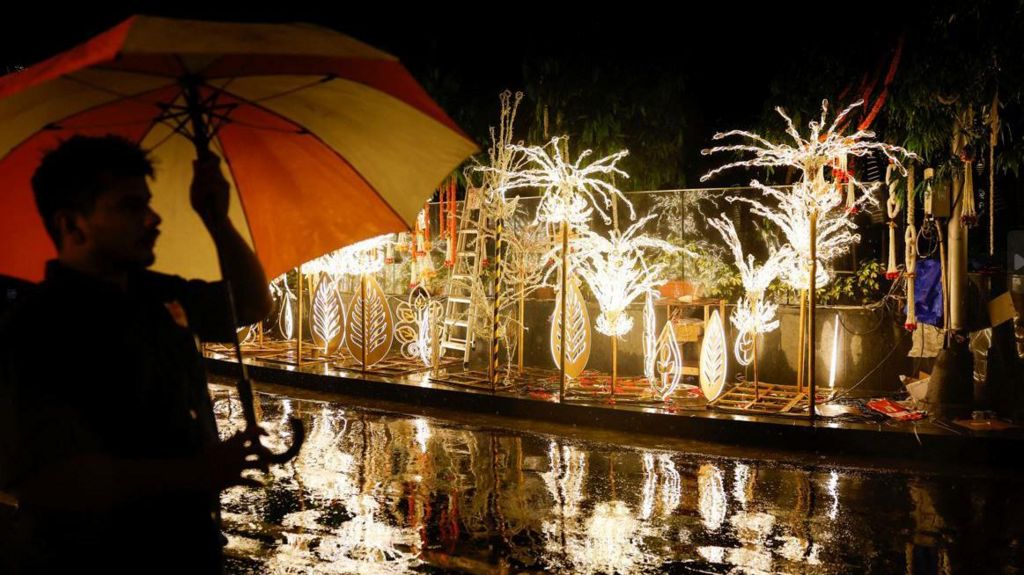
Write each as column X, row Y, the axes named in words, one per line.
column 928, row 292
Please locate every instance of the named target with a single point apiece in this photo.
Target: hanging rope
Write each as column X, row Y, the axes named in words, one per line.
column 910, row 241
column 993, row 139
column 893, row 209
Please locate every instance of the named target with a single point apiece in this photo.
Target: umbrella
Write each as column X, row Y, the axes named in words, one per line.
column 326, row 140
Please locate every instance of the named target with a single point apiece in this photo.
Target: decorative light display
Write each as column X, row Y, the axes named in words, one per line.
column 417, row 327
column 286, row 316
column 617, row 272
column 328, row 316
column 570, row 191
column 669, row 364
column 714, row 358
column 370, row 324
column 815, row 197
column 577, row 332
column 650, row 340
column 835, row 355
column 711, row 496
column 753, row 315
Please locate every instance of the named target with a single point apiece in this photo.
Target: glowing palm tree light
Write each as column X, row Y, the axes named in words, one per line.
column 825, row 145
column 617, row 272
column 570, row 192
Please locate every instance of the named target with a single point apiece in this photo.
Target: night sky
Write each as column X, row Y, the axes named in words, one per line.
column 728, row 53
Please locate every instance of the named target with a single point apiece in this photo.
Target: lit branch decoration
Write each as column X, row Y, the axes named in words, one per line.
column 570, row 191
column 617, row 273
column 810, row 155
column 753, row 316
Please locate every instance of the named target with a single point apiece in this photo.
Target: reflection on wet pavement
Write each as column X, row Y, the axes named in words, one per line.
column 377, row 492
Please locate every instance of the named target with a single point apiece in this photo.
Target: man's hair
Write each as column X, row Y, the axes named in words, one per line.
column 75, row 173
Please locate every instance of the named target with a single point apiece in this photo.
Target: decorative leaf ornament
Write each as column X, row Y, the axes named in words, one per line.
column 669, row 364
column 379, row 324
column 328, row 316
column 713, row 358
column 577, row 331
column 417, row 325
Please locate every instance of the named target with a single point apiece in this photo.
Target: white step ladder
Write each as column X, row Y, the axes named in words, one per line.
column 457, row 332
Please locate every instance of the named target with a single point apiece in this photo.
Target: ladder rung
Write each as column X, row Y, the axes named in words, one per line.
column 469, row 231
column 459, row 299
column 467, row 254
column 457, row 322
column 454, row 345
column 461, row 276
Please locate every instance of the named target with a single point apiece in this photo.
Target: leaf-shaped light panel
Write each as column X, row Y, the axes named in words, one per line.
column 713, row 358
column 286, row 319
column 379, row 324
column 328, row 317
column 650, row 339
column 577, row 331
column 669, row 363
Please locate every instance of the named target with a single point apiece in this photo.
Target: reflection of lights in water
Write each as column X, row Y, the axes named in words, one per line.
column 671, row 485
column 611, row 543
column 833, row 491
column 363, row 544
column 564, row 478
column 711, row 494
column 739, row 483
column 753, row 527
column 649, row 488
column 835, row 353
column 422, row 433
column 798, row 550
column 712, row 554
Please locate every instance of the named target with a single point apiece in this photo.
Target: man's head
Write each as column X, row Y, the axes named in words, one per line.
column 93, row 197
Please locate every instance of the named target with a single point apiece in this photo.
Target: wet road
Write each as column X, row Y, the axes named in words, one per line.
column 381, row 492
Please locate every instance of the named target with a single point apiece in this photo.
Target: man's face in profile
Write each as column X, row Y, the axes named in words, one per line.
column 122, row 228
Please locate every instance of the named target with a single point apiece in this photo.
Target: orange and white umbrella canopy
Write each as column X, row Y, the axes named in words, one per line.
column 326, row 140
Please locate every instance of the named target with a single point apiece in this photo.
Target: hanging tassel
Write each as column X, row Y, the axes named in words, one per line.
column 910, row 241
column 993, row 139
column 893, row 209
column 929, row 173
column 426, row 228
column 970, row 213
column 389, row 253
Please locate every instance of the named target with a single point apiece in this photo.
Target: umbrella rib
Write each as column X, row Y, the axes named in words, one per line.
column 120, row 96
column 324, row 80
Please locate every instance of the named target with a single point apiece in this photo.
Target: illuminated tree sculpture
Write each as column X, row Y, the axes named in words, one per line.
column 570, row 193
column 814, row 195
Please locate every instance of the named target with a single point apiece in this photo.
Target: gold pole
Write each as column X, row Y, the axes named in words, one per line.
column 565, row 286
column 615, row 365
column 259, row 332
column 362, row 320
column 811, row 296
column 522, row 308
column 298, row 336
column 802, row 342
column 757, row 388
